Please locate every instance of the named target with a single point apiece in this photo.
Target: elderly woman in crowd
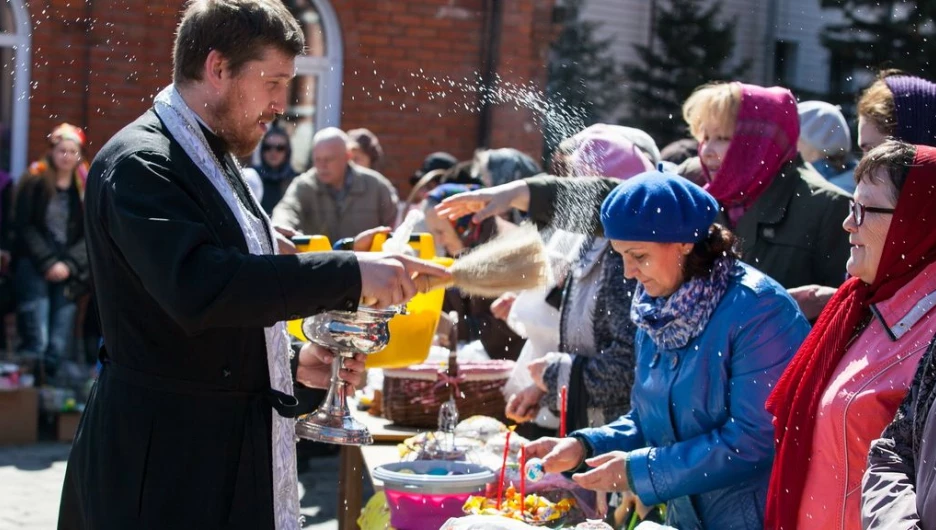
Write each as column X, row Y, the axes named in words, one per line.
column 853, row 370
column 594, row 357
column 714, row 334
column 784, row 212
column 51, row 269
column 900, row 106
column 897, row 491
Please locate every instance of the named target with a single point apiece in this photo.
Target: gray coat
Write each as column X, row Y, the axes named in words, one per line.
column 309, row 206
column 898, row 488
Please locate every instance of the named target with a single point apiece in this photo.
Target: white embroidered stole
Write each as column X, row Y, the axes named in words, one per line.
column 184, row 127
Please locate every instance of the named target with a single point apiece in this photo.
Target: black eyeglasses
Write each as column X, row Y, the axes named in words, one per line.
column 274, row 147
column 859, row 210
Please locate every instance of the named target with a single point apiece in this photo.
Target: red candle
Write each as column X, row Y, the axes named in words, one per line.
column 563, row 407
column 522, row 478
column 500, row 482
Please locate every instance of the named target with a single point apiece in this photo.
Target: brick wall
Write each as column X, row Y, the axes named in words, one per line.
column 417, row 47
column 124, row 57
column 99, row 75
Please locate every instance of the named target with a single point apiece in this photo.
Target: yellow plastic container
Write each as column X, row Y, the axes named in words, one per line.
column 312, row 243
column 306, row 244
column 422, row 243
column 410, row 334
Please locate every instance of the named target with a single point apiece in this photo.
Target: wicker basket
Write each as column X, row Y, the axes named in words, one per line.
column 412, row 396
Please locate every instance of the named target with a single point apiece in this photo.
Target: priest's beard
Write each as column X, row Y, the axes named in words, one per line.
column 236, row 124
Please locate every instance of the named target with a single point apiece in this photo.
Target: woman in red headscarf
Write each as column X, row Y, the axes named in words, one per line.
column 785, row 213
column 51, row 268
column 853, row 370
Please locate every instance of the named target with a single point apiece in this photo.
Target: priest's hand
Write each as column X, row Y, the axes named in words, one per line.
column 315, row 367
column 501, row 307
column 537, row 369
column 608, row 473
column 387, row 279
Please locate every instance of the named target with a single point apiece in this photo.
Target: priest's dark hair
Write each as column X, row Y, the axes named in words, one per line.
column 240, row 30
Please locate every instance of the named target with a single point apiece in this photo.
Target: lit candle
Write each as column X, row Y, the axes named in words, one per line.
column 563, row 409
column 503, row 471
column 522, row 479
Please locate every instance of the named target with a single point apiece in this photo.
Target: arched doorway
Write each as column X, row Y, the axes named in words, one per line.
column 315, row 95
column 14, row 86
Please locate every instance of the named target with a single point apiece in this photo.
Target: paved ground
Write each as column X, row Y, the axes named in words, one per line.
column 31, row 482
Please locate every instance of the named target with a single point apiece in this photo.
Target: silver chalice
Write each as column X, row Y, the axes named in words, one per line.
column 345, row 333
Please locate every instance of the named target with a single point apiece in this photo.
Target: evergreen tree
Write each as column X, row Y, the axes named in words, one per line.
column 584, row 82
column 692, row 47
column 879, row 34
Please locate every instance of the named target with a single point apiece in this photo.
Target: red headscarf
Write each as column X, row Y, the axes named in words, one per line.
column 910, row 247
column 764, row 139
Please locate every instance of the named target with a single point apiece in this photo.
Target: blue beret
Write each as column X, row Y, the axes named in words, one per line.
column 659, row 207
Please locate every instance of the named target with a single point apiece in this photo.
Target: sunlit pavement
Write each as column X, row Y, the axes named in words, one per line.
column 31, row 484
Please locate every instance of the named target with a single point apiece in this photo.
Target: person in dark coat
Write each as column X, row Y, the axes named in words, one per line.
column 274, row 169
column 51, row 263
column 190, row 422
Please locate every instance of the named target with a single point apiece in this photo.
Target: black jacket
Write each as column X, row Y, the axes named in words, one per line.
column 34, row 241
column 177, row 431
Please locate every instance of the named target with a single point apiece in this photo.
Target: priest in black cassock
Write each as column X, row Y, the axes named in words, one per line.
column 190, row 422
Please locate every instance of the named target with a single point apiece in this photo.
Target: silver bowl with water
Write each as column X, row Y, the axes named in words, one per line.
column 346, row 333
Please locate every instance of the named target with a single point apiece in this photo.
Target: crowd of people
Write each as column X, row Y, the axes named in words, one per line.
column 744, row 320
column 780, row 302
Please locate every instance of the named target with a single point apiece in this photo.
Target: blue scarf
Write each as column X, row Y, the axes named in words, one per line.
column 674, row 320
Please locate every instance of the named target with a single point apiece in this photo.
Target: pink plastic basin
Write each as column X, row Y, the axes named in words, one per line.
column 423, row 501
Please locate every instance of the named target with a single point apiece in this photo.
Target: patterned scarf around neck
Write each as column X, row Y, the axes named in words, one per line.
column 674, row 320
column 183, row 124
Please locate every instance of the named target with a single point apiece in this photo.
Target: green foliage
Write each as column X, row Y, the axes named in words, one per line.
column 584, row 82
column 879, row 34
column 693, row 47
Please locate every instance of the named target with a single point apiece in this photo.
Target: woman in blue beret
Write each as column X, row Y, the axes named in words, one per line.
column 713, row 336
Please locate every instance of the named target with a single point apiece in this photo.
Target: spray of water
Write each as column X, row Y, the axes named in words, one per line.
column 557, row 120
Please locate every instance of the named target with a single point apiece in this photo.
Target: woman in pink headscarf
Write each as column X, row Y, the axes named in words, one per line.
column 787, row 215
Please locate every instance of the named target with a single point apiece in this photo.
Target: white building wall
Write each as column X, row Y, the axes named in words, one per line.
column 758, row 25
column 624, row 22
column 803, row 21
